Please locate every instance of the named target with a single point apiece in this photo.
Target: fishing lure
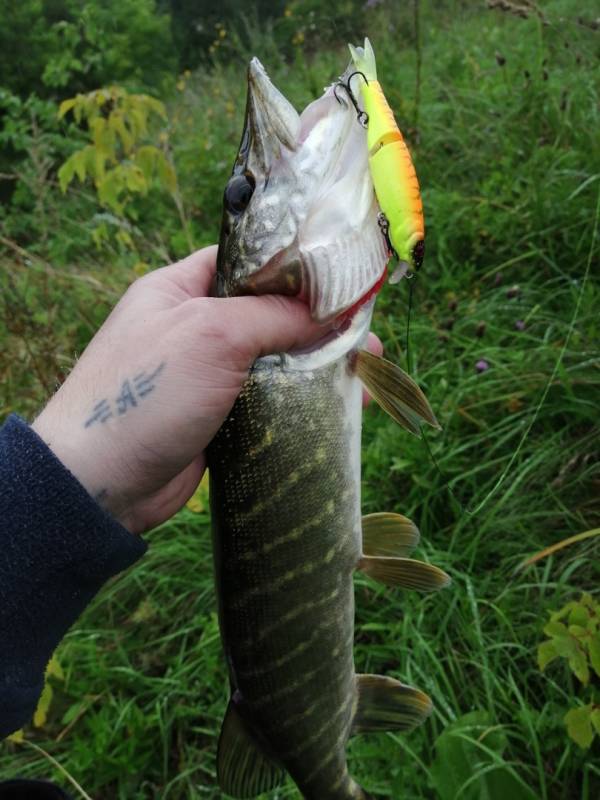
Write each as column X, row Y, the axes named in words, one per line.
column 392, row 171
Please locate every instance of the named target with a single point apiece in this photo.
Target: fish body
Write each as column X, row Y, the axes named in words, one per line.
column 301, row 218
column 394, row 177
column 285, row 471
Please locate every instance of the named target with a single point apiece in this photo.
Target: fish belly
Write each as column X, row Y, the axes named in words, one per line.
column 285, row 499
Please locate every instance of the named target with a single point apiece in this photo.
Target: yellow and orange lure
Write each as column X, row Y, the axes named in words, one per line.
column 392, row 171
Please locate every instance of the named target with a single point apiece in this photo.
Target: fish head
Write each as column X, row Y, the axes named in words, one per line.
column 300, row 216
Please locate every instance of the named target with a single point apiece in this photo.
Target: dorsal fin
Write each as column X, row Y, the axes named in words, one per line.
column 243, row 769
column 385, row 704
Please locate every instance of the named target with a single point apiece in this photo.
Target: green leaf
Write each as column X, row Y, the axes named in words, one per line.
column 99, row 166
column 66, row 173
column 579, row 725
column 546, row 654
column 166, row 173
column 564, row 611
column 595, row 717
column 134, row 178
column 579, row 666
column 79, row 162
column 146, row 158
column 588, row 600
column 156, row 106
column 594, row 651
column 117, row 124
column 98, row 129
column 109, row 189
column 579, row 615
column 578, row 631
column 137, row 119
column 555, row 629
column 566, row 646
column 66, row 106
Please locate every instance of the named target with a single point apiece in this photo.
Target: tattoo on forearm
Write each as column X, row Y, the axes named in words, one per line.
column 132, row 391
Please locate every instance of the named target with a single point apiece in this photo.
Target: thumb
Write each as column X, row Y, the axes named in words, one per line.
column 272, row 324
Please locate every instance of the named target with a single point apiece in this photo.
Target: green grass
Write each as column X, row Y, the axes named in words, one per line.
column 509, row 166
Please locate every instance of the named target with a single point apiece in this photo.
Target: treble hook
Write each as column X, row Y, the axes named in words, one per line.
column 384, row 227
column 361, row 116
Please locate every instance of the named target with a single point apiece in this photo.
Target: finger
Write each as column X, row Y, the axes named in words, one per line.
column 373, row 346
column 193, row 274
column 258, row 326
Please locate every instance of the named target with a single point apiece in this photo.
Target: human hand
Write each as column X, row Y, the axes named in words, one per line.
column 157, row 381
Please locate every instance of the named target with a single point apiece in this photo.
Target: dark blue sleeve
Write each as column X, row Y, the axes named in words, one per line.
column 57, row 548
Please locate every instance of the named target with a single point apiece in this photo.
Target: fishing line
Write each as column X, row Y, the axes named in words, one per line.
column 533, row 420
column 411, row 286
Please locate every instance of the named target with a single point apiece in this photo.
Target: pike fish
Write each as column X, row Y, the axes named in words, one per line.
column 301, row 218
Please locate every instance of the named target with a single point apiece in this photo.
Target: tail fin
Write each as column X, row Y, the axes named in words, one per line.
column 364, row 60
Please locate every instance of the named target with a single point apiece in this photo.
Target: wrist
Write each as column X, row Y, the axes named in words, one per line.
column 93, row 463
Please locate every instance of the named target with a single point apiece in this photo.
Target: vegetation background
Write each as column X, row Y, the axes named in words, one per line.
column 499, row 104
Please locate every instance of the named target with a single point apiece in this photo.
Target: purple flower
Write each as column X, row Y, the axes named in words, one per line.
column 498, row 279
column 482, row 365
column 520, row 325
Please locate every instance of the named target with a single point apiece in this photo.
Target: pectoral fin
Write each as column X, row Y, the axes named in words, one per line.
column 243, row 769
column 386, row 534
column 385, row 704
column 405, row 572
column 395, row 392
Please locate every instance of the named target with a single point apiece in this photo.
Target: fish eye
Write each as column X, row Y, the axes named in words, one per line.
column 418, row 252
column 238, row 193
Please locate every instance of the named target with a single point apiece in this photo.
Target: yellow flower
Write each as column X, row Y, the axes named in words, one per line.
column 288, row 12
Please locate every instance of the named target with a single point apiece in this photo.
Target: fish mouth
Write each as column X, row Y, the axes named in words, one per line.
column 300, row 215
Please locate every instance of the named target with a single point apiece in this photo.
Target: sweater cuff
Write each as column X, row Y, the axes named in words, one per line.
column 57, row 548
